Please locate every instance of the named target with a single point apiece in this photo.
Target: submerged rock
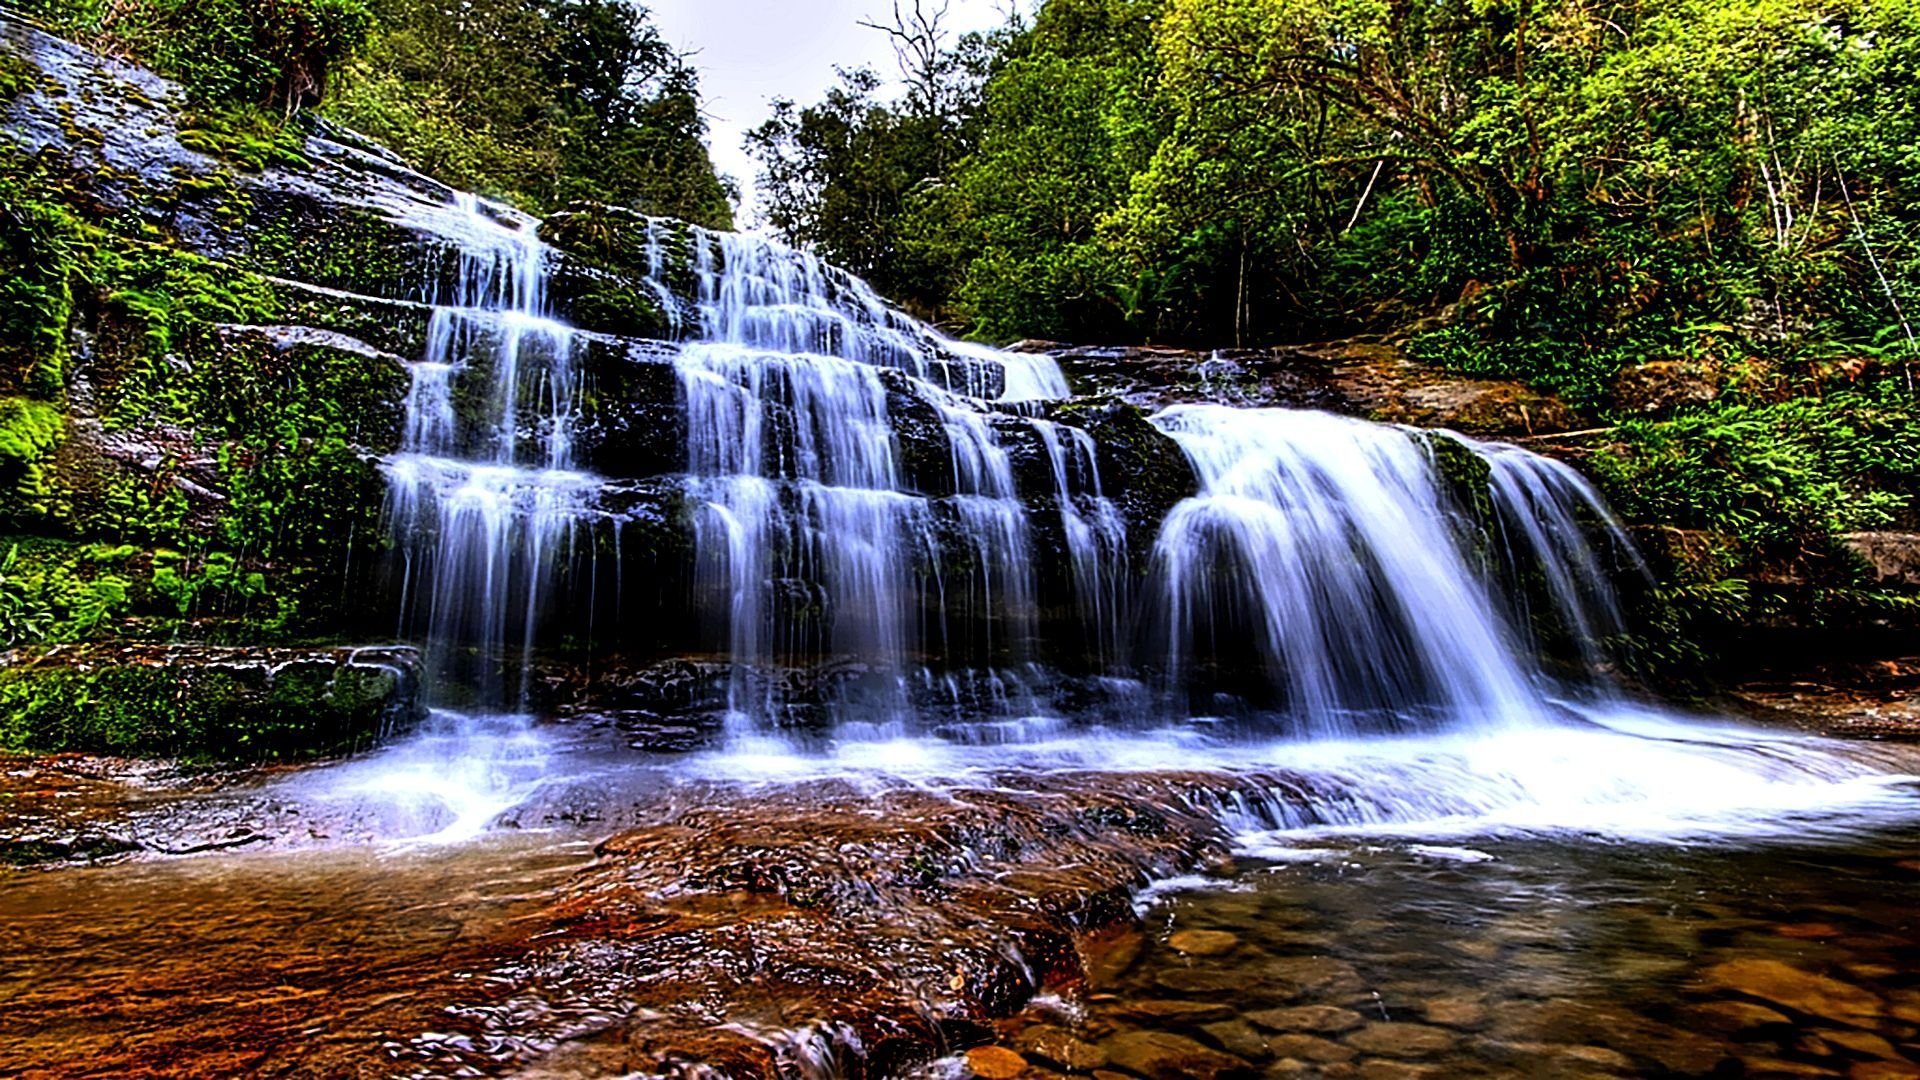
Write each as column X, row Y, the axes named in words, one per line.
column 1801, row 991
column 1160, row 1054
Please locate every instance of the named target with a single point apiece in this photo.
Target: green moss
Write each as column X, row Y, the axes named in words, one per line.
column 17, row 76
column 29, row 432
column 243, row 709
column 245, row 136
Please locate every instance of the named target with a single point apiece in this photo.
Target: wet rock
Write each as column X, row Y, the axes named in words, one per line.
column 1315, row 974
column 1203, row 942
column 1567, row 1058
column 1864, row 1043
column 1200, row 981
column 1732, row 1016
column 1176, row 1012
column 240, row 703
column 1398, row 1070
column 1160, row 1054
column 1802, row 991
column 1239, row 1038
column 1402, row 1040
column 1455, row 1012
column 1061, row 1047
column 1883, row 1070
column 1317, row 1019
column 995, row 1063
column 1310, row 1048
column 1780, row 1068
column 1893, row 558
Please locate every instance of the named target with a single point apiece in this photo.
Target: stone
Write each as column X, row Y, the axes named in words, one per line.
column 1314, row 973
column 1203, row 942
column 1894, row 559
column 1239, row 1038
column 1201, row 981
column 1465, row 1013
column 1807, row 931
column 1162, row 1054
column 1802, row 991
column 1883, row 1070
column 1402, row 1040
column 1731, row 1016
column 1176, row 1012
column 1665, row 384
column 1062, row 1047
column 1310, row 1048
column 1398, row 1070
column 1319, row 1019
column 1779, row 1067
column 995, row 1063
column 1863, row 1042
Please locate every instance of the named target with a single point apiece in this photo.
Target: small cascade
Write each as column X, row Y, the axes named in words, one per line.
column 816, row 537
column 1096, row 536
column 1327, row 552
column 483, row 495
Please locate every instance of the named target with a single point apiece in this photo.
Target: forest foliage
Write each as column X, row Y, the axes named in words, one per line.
column 536, row 102
column 1575, row 185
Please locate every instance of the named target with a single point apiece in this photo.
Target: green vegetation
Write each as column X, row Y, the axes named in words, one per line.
column 106, row 702
column 538, row 102
column 541, row 102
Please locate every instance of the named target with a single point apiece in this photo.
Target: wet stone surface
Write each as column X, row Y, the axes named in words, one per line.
column 1546, row 960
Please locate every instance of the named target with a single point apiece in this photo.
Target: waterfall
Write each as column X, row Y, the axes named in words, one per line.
column 809, row 525
column 1328, row 552
column 484, row 496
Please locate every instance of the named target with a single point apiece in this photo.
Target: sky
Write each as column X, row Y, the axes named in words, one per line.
column 751, row 51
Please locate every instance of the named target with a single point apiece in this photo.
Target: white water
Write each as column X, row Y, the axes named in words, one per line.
column 484, row 503
column 1403, row 695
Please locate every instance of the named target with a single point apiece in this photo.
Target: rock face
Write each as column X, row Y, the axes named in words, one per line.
column 1371, row 380
column 198, row 701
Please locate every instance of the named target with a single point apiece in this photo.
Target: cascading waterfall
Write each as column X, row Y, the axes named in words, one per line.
column 1332, row 548
column 483, row 494
column 867, row 496
column 809, row 526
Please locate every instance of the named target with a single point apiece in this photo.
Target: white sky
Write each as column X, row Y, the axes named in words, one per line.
column 751, row 51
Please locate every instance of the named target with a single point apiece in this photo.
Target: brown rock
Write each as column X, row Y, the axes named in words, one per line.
column 1863, row 1042
column 1801, row 991
column 1730, row 1016
column 1319, row 1019
column 1310, row 1048
column 1883, row 1070
column 1200, row 981
column 1239, row 1038
column 1203, row 942
column 1807, row 931
column 1174, row 1057
column 1062, row 1048
column 1176, row 1012
column 1397, row 1070
column 1313, row 973
column 1402, row 1040
column 1559, row 1056
column 995, row 1063
column 1665, row 384
column 1780, row 1068
column 1455, row 1012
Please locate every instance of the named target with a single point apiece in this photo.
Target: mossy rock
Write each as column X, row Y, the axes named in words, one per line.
column 202, row 703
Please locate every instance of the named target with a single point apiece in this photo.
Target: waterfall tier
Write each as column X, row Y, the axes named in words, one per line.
column 805, row 479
